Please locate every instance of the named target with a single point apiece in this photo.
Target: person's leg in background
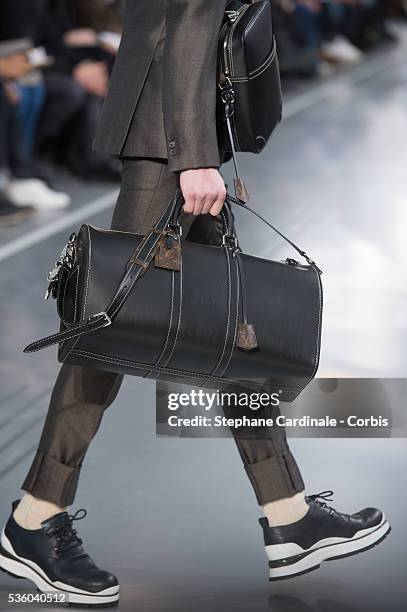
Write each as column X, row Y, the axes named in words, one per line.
column 306, row 26
column 64, row 99
column 336, row 47
column 9, row 213
column 365, row 25
column 67, row 126
column 27, row 113
column 81, row 158
column 25, row 103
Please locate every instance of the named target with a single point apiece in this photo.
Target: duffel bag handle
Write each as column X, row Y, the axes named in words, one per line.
column 231, row 200
column 229, row 232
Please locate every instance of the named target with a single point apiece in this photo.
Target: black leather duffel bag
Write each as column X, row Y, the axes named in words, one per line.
column 163, row 307
column 249, row 89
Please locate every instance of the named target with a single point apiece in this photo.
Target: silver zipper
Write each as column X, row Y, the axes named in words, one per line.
column 227, row 45
column 232, row 15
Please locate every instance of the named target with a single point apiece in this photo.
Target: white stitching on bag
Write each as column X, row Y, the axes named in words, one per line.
column 76, row 295
column 171, row 317
column 259, row 71
column 88, row 274
column 236, row 320
column 190, row 374
column 213, row 373
column 179, row 317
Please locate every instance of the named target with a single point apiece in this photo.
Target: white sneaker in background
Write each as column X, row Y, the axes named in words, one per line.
column 34, row 192
column 341, row 51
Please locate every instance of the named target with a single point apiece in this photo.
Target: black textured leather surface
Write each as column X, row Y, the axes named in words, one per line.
column 183, row 325
column 319, row 524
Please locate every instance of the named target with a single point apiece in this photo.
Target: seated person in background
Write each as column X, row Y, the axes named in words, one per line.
column 22, row 96
column 335, row 31
column 77, row 82
column 314, row 27
column 11, row 67
column 364, row 22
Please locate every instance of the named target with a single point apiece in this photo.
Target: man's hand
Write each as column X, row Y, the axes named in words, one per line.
column 204, row 191
column 81, row 37
column 93, row 77
column 14, row 66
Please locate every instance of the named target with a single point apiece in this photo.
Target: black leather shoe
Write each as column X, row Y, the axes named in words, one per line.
column 53, row 558
column 322, row 534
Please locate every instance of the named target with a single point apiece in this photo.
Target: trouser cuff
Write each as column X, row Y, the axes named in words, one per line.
column 275, row 478
column 51, row 480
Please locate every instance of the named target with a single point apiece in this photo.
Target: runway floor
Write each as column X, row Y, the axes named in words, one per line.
column 175, row 518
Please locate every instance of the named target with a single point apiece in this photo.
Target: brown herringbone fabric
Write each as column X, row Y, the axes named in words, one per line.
column 162, row 97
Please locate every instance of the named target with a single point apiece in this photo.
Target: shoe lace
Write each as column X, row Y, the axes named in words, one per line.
column 321, row 499
column 65, row 532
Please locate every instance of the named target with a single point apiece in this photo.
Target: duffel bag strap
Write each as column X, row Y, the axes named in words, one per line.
column 97, row 321
column 303, row 254
column 136, row 266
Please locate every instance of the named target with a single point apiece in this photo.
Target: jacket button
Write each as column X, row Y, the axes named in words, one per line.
column 172, row 151
column 171, row 144
column 171, row 137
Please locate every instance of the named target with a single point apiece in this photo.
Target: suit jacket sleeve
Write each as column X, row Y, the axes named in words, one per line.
column 189, row 92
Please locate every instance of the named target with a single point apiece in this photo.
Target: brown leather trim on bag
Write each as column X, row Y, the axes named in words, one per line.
column 134, row 259
column 168, row 256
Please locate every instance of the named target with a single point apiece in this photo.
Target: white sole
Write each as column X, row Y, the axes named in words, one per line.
column 310, row 559
column 19, row 567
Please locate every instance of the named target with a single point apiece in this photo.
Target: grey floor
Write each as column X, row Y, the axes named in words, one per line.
column 176, row 518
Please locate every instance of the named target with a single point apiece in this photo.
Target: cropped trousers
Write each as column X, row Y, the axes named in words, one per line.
column 81, row 395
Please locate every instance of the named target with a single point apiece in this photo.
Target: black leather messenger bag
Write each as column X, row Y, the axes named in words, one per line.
column 159, row 306
column 249, row 89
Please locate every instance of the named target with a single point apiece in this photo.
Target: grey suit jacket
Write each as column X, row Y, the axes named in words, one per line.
column 162, row 96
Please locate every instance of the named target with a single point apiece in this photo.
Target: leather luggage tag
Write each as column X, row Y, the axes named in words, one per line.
column 168, row 254
column 241, row 190
column 246, row 337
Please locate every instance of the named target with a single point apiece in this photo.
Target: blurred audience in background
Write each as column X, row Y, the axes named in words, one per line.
column 55, row 60
column 56, row 57
column 315, row 35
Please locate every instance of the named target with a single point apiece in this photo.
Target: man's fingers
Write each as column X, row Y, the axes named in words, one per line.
column 217, row 206
column 189, row 203
column 208, row 203
column 195, row 202
column 201, row 205
column 198, row 205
